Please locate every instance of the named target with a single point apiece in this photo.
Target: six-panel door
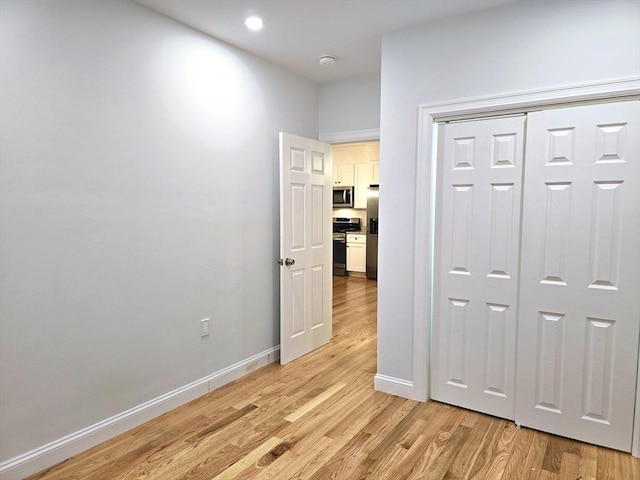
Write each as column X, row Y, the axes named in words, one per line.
column 305, row 245
column 580, row 273
column 474, row 334
column 575, row 301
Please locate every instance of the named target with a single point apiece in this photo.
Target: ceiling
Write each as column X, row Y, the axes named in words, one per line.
column 297, row 32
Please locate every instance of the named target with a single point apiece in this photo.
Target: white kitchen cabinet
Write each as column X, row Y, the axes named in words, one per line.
column 375, row 179
column 365, row 175
column 356, row 252
column 343, row 175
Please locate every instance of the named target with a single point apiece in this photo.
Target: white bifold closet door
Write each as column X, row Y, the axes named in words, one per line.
column 569, row 297
column 579, row 310
column 474, row 335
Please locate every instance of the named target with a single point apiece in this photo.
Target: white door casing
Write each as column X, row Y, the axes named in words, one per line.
column 474, row 334
column 306, row 196
column 580, row 273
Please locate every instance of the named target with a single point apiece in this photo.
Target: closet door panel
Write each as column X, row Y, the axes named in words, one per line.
column 478, row 251
column 579, row 306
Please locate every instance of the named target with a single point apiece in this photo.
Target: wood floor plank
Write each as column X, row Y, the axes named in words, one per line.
column 318, row 418
column 417, row 449
column 292, row 461
column 588, row 462
column 518, row 457
column 500, row 456
column 385, row 470
column 451, row 446
column 569, row 466
column 532, row 468
column 315, row 402
column 427, row 424
column 394, row 437
column 373, row 434
column 372, row 405
column 487, row 449
column 436, row 447
column 481, row 430
column 252, row 457
column 346, row 462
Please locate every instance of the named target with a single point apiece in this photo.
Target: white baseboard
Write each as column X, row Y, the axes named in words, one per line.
column 55, row 452
column 395, row 386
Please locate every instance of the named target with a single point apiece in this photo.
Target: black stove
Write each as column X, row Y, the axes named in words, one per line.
column 342, row 224
column 340, row 228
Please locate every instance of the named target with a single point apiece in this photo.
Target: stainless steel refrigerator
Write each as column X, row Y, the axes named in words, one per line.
column 372, row 232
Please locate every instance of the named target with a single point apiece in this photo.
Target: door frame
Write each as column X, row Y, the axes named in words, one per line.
column 351, row 136
column 429, row 116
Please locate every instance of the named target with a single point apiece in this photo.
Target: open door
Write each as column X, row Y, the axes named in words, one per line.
column 305, row 246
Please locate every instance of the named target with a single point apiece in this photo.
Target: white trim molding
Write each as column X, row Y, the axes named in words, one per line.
column 63, row 448
column 394, row 386
column 353, row 136
column 615, row 90
column 635, row 441
column 429, row 117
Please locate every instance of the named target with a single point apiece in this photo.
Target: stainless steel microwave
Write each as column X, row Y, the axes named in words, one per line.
column 342, row 197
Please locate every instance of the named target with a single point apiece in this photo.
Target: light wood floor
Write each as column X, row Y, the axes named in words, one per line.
column 318, row 418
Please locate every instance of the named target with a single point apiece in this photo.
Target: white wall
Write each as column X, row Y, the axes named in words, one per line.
column 521, row 47
column 139, row 194
column 349, row 105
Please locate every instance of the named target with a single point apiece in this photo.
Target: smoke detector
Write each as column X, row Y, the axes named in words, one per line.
column 327, row 60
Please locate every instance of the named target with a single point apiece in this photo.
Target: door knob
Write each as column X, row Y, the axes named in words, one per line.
column 289, row 261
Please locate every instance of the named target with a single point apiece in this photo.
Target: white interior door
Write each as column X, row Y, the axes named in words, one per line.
column 474, row 331
column 306, row 246
column 580, row 273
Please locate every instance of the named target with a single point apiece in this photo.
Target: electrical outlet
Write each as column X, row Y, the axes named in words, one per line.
column 204, row 331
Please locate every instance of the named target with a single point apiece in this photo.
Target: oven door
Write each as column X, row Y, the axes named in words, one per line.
column 340, row 254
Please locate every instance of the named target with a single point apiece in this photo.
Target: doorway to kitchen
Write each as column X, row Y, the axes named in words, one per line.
column 307, row 205
column 356, row 181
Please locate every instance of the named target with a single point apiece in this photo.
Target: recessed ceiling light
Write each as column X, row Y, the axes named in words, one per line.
column 254, row 23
